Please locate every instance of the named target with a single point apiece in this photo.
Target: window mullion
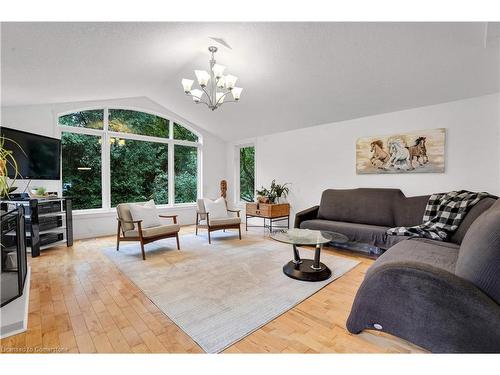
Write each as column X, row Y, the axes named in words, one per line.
column 106, row 168
column 171, row 172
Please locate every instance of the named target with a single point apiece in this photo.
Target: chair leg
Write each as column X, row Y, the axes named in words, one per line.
column 209, row 240
column 118, row 236
column 177, row 238
column 196, row 229
column 143, row 253
column 239, row 232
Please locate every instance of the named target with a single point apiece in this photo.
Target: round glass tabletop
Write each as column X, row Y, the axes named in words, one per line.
column 307, row 237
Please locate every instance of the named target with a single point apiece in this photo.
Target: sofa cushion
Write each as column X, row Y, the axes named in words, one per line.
column 155, row 231
column 434, row 253
column 471, row 216
column 409, row 212
column 479, row 258
column 364, row 206
column 370, row 234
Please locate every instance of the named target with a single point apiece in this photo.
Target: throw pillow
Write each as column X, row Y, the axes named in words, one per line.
column 146, row 212
column 216, row 209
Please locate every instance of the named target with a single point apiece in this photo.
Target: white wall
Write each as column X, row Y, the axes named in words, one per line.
column 316, row 158
column 42, row 119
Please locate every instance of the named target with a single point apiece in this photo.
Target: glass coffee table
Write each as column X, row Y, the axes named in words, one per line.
column 307, row 269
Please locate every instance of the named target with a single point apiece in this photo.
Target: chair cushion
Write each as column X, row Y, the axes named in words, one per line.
column 216, row 209
column 369, row 234
column 123, row 213
column 222, row 221
column 155, row 231
column 146, row 212
column 479, row 258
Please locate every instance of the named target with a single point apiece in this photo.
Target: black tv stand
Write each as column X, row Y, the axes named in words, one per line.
column 49, row 222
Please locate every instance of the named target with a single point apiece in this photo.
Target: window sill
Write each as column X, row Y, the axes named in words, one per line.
column 97, row 212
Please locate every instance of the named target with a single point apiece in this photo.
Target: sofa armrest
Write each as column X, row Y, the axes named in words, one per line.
column 427, row 306
column 307, row 214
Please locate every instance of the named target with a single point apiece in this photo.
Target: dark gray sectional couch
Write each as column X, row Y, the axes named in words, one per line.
column 442, row 296
column 364, row 215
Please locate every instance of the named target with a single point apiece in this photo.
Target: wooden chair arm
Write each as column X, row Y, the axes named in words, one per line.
column 236, row 211
column 174, row 217
column 129, row 221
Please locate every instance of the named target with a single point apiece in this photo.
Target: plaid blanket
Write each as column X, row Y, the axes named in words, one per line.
column 443, row 214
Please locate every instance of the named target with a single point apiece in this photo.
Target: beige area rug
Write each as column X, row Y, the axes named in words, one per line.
column 222, row 292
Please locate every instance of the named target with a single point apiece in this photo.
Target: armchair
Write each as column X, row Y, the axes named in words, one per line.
column 131, row 230
column 204, row 221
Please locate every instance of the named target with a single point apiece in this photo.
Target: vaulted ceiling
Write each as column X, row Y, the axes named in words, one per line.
column 294, row 74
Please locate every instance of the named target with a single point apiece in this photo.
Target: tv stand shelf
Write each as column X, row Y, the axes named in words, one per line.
column 49, row 222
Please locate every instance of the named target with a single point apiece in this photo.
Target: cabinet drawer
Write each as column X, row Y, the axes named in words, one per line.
column 252, row 209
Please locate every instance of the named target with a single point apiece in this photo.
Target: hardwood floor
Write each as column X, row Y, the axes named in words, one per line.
column 81, row 303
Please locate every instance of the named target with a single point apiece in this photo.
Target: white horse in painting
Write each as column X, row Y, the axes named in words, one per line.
column 399, row 155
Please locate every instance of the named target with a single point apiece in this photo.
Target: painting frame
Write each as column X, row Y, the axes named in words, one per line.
column 419, row 151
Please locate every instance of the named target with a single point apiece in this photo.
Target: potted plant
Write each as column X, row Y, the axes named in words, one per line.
column 279, row 192
column 275, row 194
column 7, row 159
column 262, row 195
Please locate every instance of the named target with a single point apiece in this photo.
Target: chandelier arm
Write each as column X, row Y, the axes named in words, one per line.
column 199, row 101
column 222, row 97
column 210, row 99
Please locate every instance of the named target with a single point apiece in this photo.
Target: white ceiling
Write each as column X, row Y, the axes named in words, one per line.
column 294, row 74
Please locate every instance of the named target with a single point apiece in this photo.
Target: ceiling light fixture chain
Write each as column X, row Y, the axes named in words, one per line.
column 215, row 85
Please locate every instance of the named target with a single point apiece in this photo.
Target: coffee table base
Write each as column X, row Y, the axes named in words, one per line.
column 304, row 272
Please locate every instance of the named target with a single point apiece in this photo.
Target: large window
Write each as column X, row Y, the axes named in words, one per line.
column 247, row 173
column 186, row 173
column 112, row 156
column 81, row 165
column 139, row 171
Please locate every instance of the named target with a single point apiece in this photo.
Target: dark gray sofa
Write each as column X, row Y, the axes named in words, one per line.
column 439, row 296
column 442, row 296
column 365, row 214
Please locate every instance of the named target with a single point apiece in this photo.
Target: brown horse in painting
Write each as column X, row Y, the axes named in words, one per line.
column 418, row 150
column 379, row 157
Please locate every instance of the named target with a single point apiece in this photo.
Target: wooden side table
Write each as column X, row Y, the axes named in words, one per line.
column 269, row 212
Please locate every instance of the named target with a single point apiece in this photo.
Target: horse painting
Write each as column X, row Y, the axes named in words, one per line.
column 418, row 151
column 400, row 156
column 379, row 156
column 415, row 152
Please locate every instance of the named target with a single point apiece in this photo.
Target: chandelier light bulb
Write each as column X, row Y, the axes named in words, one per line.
column 218, row 70
column 196, row 95
column 221, row 82
column 236, row 92
column 230, row 81
column 187, row 84
column 202, row 76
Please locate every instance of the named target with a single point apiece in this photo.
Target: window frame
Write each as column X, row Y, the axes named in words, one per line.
column 237, row 171
column 106, row 134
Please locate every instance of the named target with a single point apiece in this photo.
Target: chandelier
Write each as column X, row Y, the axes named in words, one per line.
column 215, row 85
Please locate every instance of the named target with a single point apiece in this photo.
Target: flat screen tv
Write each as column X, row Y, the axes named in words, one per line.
column 41, row 157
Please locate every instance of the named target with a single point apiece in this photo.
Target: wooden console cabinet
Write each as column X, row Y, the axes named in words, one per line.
column 270, row 213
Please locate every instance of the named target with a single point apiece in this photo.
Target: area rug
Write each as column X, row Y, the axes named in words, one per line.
column 222, row 292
